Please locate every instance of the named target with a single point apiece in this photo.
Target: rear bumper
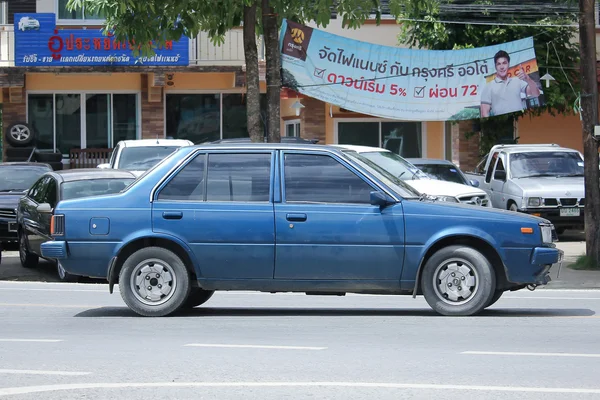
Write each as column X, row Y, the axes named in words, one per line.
column 531, row 266
column 54, row 249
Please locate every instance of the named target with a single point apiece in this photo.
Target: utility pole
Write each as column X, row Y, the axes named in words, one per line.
column 589, row 112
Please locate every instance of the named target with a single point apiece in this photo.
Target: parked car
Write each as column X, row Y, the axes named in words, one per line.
column 544, row 180
column 15, row 179
column 34, row 211
column 138, row 156
column 293, row 218
column 423, row 183
column 284, row 139
column 443, row 170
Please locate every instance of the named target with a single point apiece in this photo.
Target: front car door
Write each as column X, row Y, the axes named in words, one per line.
column 497, row 184
column 220, row 204
column 34, row 221
column 326, row 228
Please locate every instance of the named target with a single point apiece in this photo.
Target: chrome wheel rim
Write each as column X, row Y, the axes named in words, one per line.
column 20, row 132
column 455, row 281
column 153, row 282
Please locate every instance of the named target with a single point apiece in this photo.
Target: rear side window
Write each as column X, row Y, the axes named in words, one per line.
column 188, row 184
column 238, row 177
column 322, row 179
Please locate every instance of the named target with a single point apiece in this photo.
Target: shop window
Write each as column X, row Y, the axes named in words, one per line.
column 292, row 128
column 3, row 13
column 78, row 14
column 208, row 117
column 66, row 121
column 402, row 138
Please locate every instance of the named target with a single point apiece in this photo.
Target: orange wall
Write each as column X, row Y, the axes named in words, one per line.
column 202, row 81
column 116, row 81
column 435, row 139
column 561, row 129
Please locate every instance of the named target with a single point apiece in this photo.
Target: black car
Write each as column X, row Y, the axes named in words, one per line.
column 34, row 211
column 15, row 179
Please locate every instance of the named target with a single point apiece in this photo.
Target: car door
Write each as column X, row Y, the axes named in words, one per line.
column 27, row 208
column 220, row 204
column 497, row 183
column 36, row 221
column 326, row 228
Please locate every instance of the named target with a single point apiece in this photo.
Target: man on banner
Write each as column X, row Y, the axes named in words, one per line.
column 502, row 95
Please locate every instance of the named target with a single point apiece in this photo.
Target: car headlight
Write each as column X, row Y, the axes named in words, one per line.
column 546, row 233
column 534, row 202
column 449, row 199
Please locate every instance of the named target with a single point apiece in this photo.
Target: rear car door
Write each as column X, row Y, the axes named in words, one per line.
column 220, row 204
column 326, row 228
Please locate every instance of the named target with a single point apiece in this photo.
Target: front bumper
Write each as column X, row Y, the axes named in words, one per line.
column 553, row 215
column 8, row 230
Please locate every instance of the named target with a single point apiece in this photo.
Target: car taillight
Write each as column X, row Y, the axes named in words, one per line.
column 57, row 225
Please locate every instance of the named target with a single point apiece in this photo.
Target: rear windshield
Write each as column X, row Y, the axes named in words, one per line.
column 143, row 158
column 93, row 187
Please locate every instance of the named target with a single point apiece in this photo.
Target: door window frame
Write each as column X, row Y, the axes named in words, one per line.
column 336, row 122
column 82, row 104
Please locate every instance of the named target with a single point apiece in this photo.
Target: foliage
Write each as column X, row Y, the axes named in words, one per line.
column 585, row 263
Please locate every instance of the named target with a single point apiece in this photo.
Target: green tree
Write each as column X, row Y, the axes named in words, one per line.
column 156, row 21
column 444, row 25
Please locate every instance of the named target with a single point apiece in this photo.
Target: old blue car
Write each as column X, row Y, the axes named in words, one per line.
column 293, row 218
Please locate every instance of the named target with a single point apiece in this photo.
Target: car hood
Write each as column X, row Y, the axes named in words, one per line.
column 549, row 186
column 11, row 199
column 435, row 187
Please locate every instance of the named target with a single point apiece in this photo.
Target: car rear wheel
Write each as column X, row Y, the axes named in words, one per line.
column 198, row 297
column 28, row 260
column 154, row 282
column 458, row 281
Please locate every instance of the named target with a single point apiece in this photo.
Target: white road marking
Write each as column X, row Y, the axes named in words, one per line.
column 251, row 346
column 55, row 290
column 46, row 305
column 515, row 353
column 549, row 298
column 39, row 372
column 418, row 386
column 33, row 340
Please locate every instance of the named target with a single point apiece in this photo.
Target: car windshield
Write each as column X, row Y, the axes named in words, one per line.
column 395, row 165
column 143, row 158
column 386, row 177
column 546, row 163
column 18, row 179
column 444, row 172
column 93, row 187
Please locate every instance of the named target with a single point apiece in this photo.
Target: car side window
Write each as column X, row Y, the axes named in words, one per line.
column 188, row 184
column 492, row 166
column 239, row 177
column 322, row 179
column 38, row 190
column 50, row 193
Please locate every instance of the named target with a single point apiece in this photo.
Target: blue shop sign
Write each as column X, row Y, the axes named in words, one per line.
column 39, row 43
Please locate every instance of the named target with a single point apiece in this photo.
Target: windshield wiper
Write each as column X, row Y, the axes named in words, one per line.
column 568, row 175
column 535, row 176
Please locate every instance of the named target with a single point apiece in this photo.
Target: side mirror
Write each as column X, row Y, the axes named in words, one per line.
column 44, row 208
column 380, row 199
column 500, row 175
column 103, row 166
column 474, row 183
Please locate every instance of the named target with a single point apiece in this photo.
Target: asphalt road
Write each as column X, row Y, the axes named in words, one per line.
column 73, row 341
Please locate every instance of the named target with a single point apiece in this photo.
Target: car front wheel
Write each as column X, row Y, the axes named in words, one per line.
column 154, row 282
column 458, row 281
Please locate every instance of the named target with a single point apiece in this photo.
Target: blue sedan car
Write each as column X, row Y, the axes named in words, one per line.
column 293, row 218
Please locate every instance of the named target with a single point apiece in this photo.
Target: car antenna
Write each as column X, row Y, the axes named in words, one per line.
column 157, row 142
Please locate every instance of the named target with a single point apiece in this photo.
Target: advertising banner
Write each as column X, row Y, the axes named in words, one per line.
column 39, row 43
column 410, row 84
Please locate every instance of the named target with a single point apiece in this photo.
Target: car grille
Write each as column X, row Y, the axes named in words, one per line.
column 565, row 202
column 474, row 200
column 7, row 213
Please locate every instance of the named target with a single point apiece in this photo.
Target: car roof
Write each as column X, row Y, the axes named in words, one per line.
column 358, row 148
column 521, row 148
column 25, row 164
column 155, row 142
column 429, row 161
column 78, row 174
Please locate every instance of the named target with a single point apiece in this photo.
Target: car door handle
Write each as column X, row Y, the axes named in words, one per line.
column 172, row 215
column 296, row 217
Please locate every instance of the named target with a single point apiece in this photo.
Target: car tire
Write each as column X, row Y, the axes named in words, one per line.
column 458, row 281
column 48, row 156
column 495, row 298
column 198, row 297
column 63, row 275
column 19, row 134
column 19, row 153
column 28, row 259
column 513, row 207
column 154, row 268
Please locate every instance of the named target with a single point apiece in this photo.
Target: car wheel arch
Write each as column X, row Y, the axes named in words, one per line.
column 478, row 243
column 170, row 243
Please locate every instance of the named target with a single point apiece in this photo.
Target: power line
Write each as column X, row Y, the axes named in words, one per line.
column 487, row 23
